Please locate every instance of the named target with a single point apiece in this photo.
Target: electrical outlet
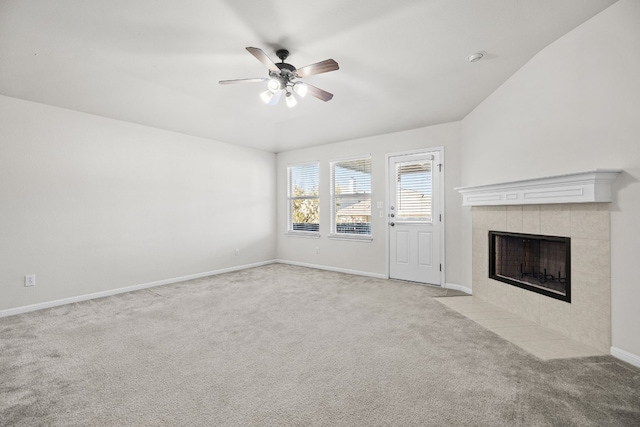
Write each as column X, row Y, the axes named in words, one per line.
column 30, row 280
column 317, row 250
column 237, row 252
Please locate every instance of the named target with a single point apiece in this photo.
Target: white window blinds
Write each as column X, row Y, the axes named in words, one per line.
column 413, row 191
column 351, row 197
column 303, row 197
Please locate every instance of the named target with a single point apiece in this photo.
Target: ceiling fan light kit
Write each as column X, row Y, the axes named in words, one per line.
column 274, row 85
column 291, row 100
column 282, row 78
column 301, row 89
column 271, row 98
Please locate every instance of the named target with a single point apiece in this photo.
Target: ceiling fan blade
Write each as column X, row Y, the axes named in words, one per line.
column 276, row 98
column 254, row 80
column 262, row 57
column 322, row 95
column 318, row 68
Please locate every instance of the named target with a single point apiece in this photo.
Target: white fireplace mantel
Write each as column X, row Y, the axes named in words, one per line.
column 582, row 187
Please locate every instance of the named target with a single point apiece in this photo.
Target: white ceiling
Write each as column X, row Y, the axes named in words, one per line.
column 157, row 62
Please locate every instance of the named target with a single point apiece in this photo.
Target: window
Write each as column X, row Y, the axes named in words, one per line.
column 351, row 198
column 303, row 198
column 413, row 191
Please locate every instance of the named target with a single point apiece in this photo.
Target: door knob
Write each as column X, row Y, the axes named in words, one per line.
column 392, row 224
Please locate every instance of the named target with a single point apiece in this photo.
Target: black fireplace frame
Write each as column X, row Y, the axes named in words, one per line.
column 550, row 293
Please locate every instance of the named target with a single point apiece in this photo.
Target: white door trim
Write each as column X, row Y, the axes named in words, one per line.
column 441, row 199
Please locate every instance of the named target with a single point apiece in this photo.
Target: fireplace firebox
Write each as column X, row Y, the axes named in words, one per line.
column 537, row 263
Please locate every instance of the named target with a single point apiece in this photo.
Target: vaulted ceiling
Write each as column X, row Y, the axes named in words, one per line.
column 158, row 62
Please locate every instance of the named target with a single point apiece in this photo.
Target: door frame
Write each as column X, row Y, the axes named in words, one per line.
column 441, row 200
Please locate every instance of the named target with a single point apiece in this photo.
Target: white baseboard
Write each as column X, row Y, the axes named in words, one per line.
column 625, row 356
column 329, row 268
column 86, row 297
column 458, row 288
column 56, row 303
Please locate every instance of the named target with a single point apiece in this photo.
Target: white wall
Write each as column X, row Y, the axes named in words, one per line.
column 370, row 257
column 573, row 107
column 91, row 204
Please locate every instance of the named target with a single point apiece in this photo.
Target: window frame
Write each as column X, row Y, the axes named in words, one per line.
column 290, row 199
column 429, row 219
column 334, row 234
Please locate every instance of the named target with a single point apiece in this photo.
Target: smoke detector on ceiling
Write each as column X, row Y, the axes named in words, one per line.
column 476, row 56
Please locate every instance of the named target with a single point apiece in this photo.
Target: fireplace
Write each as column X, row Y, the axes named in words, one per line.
column 537, row 263
column 574, row 205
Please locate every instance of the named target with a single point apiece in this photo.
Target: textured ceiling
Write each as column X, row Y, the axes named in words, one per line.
column 157, row 62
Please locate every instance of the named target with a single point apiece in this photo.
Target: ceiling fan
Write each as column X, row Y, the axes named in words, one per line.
column 282, row 78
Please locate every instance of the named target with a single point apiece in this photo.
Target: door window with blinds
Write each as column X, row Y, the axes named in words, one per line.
column 413, row 191
column 303, row 198
column 351, row 198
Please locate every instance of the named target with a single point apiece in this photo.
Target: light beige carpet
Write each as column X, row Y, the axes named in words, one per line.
column 290, row 346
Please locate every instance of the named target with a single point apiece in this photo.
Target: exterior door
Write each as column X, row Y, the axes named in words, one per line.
column 414, row 214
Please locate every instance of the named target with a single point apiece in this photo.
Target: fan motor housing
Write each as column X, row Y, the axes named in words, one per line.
column 285, row 66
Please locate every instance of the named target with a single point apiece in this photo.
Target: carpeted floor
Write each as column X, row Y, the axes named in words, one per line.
column 289, row 346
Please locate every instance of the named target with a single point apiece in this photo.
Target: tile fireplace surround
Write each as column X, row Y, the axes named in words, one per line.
column 587, row 319
column 574, row 206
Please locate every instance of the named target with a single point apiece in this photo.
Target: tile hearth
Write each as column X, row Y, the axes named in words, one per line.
column 542, row 342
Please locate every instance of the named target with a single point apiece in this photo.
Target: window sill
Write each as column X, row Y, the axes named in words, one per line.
column 307, row 234
column 351, row 237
